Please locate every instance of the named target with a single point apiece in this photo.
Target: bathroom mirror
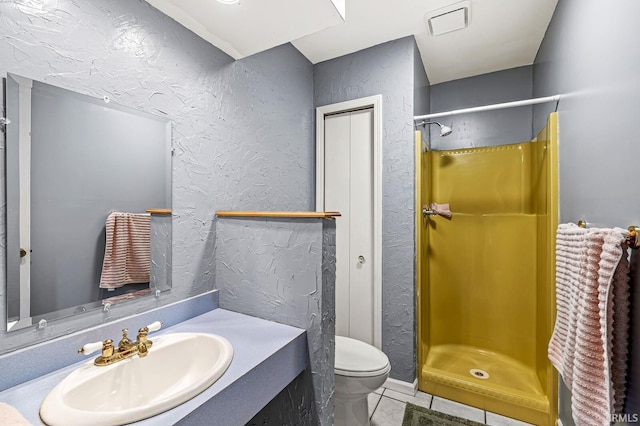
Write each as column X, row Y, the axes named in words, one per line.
column 71, row 161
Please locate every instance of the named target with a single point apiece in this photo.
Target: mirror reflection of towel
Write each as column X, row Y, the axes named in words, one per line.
column 127, row 258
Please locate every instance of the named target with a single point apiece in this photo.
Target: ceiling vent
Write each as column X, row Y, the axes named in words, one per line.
column 448, row 19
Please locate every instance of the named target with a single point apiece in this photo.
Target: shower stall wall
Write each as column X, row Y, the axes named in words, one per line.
column 486, row 277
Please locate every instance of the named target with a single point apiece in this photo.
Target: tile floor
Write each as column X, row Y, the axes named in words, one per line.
column 386, row 408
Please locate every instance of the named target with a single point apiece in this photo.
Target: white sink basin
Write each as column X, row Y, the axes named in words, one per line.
column 178, row 367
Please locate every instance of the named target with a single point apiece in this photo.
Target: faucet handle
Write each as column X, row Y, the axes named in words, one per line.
column 142, row 333
column 90, row 348
column 154, row 326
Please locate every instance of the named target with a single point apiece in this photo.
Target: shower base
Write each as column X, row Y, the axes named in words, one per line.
column 511, row 388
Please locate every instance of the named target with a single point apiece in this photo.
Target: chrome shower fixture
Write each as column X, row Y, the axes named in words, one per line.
column 444, row 130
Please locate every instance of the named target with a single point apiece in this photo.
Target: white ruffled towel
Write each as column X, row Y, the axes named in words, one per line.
column 589, row 341
column 11, row 417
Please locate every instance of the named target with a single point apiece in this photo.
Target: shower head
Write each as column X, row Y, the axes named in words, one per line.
column 444, row 130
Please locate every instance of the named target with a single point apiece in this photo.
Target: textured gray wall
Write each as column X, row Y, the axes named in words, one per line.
column 488, row 128
column 283, row 270
column 160, row 274
column 387, row 69
column 596, row 71
column 421, row 85
column 242, row 131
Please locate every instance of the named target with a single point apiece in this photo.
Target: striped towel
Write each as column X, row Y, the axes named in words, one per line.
column 589, row 341
column 127, row 258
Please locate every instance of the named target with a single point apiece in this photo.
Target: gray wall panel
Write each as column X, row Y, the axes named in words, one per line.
column 160, row 251
column 488, row 128
column 596, row 71
column 283, row 270
column 387, row 69
column 421, row 85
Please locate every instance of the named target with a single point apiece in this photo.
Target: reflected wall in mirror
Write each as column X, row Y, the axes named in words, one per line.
column 72, row 161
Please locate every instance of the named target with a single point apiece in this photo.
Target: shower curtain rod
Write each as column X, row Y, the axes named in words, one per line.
column 490, row 107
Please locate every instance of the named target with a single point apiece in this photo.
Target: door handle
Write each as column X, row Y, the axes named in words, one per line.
column 361, row 259
column 23, row 252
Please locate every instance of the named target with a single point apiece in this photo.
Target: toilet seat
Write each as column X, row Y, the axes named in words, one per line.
column 358, row 359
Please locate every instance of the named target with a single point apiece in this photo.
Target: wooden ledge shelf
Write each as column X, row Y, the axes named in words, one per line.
column 159, row 211
column 292, row 215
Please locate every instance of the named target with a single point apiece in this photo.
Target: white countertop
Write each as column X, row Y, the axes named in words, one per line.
column 267, row 356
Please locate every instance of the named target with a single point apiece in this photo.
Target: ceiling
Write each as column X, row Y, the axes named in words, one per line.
column 501, row 34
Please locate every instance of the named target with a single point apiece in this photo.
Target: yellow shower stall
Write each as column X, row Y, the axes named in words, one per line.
column 486, row 277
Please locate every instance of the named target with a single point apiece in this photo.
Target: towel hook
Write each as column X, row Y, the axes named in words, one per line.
column 428, row 212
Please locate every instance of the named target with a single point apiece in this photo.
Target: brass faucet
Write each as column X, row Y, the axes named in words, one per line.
column 126, row 348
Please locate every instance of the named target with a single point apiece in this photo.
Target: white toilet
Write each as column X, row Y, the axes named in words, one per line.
column 360, row 369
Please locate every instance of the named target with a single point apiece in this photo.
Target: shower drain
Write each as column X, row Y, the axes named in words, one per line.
column 479, row 374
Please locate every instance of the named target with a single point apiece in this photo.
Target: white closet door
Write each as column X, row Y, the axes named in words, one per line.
column 349, row 190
